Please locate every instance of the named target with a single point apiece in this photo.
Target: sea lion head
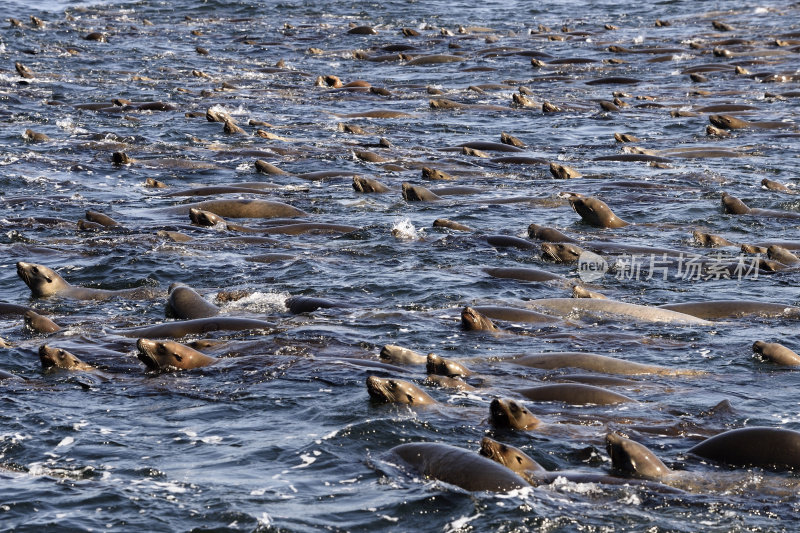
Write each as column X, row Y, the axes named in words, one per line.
column 563, row 252
column 508, row 456
column 733, row 205
column 444, row 367
column 506, row 413
column 632, row 458
column 42, row 281
column 205, row 218
column 58, row 358
column 472, row 320
column 595, row 212
column 396, row 391
column 170, row 355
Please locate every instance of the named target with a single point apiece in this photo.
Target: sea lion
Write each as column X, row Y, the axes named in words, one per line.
column 457, row 466
column 522, row 274
column 574, row 394
column 714, row 309
column 513, row 314
column 170, row 355
column 509, row 456
column 367, row 185
column 446, row 382
column 582, row 292
column 38, row 323
column 595, row 212
column 777, row 353
column 44, row 282
column 509, row 414
column 763, row 447
column 567, row 306
column 563, row 172
column 782, row 255
column 244, row 209
column 444, row 223
column 631, row 458
column 472, row 320
column 181, row 328
column 435, row 364
column 775, row 186
column 592, row 362
column 307, row 304
column 415, row 193
column 397, row 391
column 185, row 303
column 58, row 358
column 732, row 123
column 543, row 233
column 709, row 239
column 399, row 355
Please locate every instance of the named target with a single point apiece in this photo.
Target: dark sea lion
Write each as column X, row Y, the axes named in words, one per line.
column 367, row 185
column 181, row 328
column 472, row 320
column 777, row 353
column 444, row 223
column 307, row 304
column 44, row 281
column 435, row 364
column 593, row 379
column 214, row 191
column 38, row 323
column 522, row 274
column 269, row 258
column 595, row 212
column 573, row 393
column 631, row 458
column 58, row 358
column 415, row 193
column 397, row 391
column 457, row 466
column 509, row 456
column 404, row 356
column 509, row 241
column 544, row 233
column 170, row 355
column 715, row 309
column 614, row 80
column 509, row 414
column 185, row 303
column 763, row 447
column 102, row 219
column 592, row 362
column 13, row 309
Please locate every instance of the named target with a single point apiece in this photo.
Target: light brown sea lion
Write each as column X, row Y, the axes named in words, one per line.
column 595, row 212
column 775, row 186
column 562, row 252
column 593, row 362
column 399, row 355
column 446, row 382
column 472, row 320
column 563, row 172
column 268, row 168
column 513, row 314
column 708, row 239
column 509, row 414
column 245, row 209
column 435, row 174
column 436, row 364
column 574, row 394
column 715, row 309
column 632, row 458
column 777, row 353
column 34, row 136
column 457, row 466
column 781, row 254
column 397, row 391
column 764, row 447
column 444, row 223
column 509, row 456
column 367, row 185
column 185, row 303
column 44, row 281
column 170, row 355
column 102, row 219
column 415, row 193
column 38, row 323
column 568, row 306
column 732, row 123
column 58, row 358
column 582, row 292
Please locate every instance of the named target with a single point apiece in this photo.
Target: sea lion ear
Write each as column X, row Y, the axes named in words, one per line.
column 48, row 279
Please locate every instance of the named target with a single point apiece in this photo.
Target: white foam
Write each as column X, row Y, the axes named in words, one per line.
column 307, row 460
column 404, row 230
column 66, row 441
column 460, row 523
column 260, row 302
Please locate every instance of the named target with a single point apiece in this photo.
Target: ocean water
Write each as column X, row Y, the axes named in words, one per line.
column 281, row 434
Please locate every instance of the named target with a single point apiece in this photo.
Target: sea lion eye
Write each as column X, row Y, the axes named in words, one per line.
column 35, row 270
column 410, row 398
column 518, row 458
column 178, row 357
column 393, row 384
column 160, row 348
column 513, row 407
